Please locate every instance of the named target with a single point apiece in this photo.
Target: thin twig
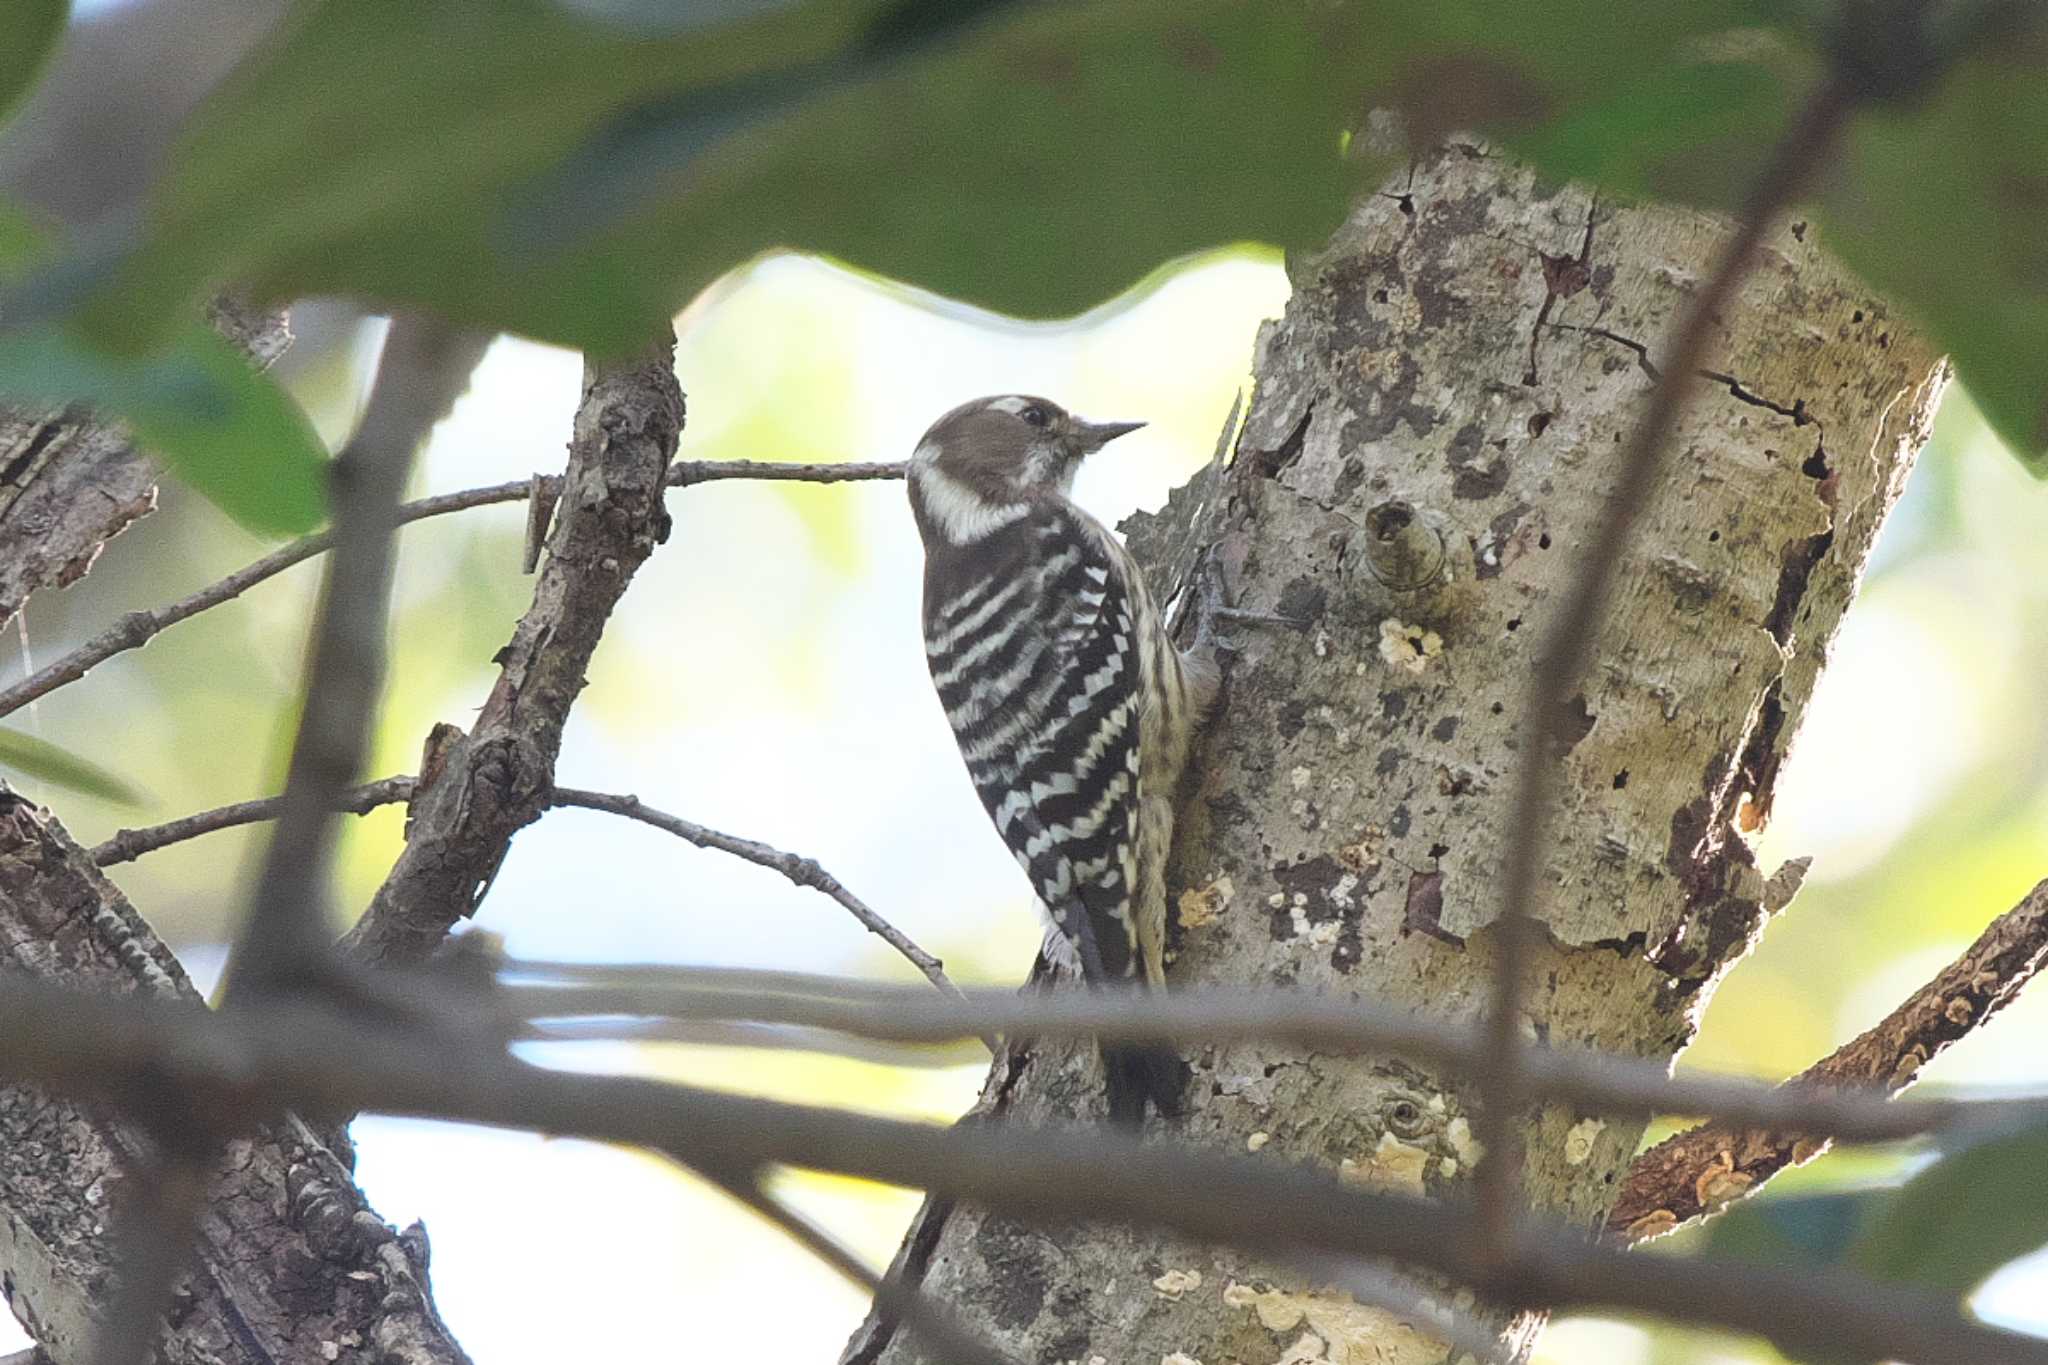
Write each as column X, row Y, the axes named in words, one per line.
column 126, row 845
column 940, row 1329
column 243, row 1066
column 531, row 991
column 425, row 366
column 803, row 871
column 138, row 628
column 1568, row 647
column 1695, row 1173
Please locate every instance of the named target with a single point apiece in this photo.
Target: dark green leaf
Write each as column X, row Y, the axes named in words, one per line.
column 1963, row 1217
column 513, row 164
column 1796, row 1230
column 60, row 768
column 223, row 428
column 1941, row 207
column 373, row 148
column 32, row 30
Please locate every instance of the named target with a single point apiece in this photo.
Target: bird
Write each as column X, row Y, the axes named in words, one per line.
column 1073, row 709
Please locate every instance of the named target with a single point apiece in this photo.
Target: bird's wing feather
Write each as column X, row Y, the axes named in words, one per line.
column 1044, row 701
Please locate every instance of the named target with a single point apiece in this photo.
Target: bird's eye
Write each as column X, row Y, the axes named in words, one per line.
column 1037, row 416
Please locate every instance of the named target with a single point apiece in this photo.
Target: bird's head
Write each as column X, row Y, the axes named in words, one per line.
column 983, row 463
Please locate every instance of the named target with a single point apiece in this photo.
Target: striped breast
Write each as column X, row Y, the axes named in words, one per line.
column 1029, row 636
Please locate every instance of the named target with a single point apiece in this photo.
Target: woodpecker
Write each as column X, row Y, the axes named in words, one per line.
column 1072, row 707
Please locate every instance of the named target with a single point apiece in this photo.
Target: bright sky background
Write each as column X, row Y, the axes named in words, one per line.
column 765, row 676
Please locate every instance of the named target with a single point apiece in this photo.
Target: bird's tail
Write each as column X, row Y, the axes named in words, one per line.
column 1138, row 1072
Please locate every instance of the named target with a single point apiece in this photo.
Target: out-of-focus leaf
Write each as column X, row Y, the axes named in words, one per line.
column 32, row 29
column 225, row 429
column 61, row 768
column 376, row 147
column 1685, row 132
column 1948, row 1227
column 1963, row 1217
column 518, row 165
column 1942, row 206
column 1800, row 1230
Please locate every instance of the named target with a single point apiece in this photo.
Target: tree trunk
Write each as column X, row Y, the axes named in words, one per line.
column 1434, row 429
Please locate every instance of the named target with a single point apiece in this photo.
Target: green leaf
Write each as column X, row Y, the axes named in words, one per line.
column 61, row 768
column 1948, row 1227
column 1963, row 1217
column 1940, row 207
column 1688, row 132
column 33, row 27
column 1796, row 1230
column 372, row 148
column 228, row 431
column 510, row 164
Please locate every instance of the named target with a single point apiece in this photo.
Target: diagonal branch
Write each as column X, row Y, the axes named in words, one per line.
column 1568, row 644
column 138, row 628
column 494, row 780
column 939, row 1328
column 424, row 367
column 129, row 844
column 1695, row 1173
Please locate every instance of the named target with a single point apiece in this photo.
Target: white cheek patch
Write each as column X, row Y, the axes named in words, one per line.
column 925, row 454
column 960, row 514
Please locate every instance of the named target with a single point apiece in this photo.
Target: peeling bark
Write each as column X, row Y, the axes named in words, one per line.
column 1468, row 357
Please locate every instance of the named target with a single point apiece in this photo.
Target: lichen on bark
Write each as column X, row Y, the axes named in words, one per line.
column 1459, row 369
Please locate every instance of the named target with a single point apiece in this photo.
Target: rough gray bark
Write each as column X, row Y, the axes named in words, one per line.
column 292, row 1263
column 476, row 790
column 1467, row 357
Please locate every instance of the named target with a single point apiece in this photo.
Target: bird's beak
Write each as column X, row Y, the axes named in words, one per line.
column 1089, row 437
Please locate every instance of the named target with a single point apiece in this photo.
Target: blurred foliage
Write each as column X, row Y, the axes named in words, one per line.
column 33, row 27
column 576, row 176
column 1947, row 1228
column 40, row 759
column 227, row 430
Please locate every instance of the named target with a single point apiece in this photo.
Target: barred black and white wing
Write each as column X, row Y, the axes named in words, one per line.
column 1030, row 636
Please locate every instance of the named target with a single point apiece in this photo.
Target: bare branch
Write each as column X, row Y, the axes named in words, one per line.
column 1568, row 644
column 126, row 845
column 493, row 781
column 424, row 368
column 802, row 871
column 138, row 628
column 1313, row 1023
column 245, row 1065
column 1696, row 1173
column 939, row 1328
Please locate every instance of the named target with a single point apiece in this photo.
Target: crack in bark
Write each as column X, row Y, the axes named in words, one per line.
column 1797, row 412
column 1737, row 390
column 1563, row 276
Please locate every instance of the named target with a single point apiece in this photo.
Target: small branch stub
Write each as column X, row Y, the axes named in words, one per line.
column 1402, row 551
